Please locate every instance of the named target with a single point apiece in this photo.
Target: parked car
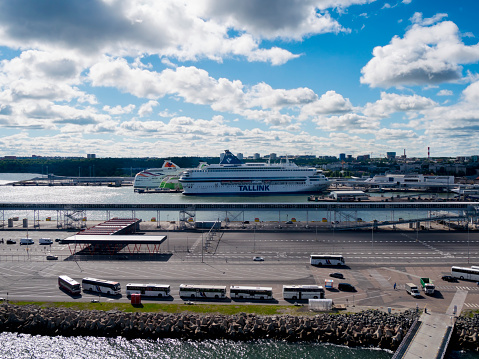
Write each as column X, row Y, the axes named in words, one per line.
column 336, row 275
column 346, row 287
column 449, row 278
column 258, row 259
column 52, row 257
column 26, row 241
column 11, row 241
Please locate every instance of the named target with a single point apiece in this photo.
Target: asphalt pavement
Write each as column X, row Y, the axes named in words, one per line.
column 378, row 264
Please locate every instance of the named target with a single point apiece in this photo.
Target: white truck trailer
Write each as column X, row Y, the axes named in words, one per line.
column 412, row 289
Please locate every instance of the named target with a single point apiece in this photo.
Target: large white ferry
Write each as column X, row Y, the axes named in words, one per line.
column 231, row 176
column 153, row 177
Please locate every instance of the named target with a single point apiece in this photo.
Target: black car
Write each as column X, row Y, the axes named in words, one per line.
column 11, row 241
column 346, row 287
column 336, row 275
column 449, row 278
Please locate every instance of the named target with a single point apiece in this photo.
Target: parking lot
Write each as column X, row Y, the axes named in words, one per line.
column 377, row 265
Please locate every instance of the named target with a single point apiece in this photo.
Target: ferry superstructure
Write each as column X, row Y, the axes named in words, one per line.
column 153, row 177
column 231, row 176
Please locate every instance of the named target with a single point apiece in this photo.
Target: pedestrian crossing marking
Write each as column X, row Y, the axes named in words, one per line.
column 471, row 305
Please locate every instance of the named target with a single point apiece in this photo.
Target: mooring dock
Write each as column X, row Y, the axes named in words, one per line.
column 430, row 338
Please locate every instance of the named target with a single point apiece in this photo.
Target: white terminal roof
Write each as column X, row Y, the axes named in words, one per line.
column 114, row 239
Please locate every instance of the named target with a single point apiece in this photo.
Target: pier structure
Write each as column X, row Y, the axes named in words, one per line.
column 429, row 336
column 339, row 215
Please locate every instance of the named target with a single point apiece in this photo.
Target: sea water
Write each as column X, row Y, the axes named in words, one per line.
column 13, row 345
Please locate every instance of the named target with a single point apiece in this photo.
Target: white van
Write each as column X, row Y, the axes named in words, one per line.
column 45, row 241
column 26, row 241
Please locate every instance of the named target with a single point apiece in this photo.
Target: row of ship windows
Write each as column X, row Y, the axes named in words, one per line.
column 251, row 170
column 276, row 183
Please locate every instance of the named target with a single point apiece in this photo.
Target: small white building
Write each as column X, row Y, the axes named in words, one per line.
column 349, row 195
column 320, row 304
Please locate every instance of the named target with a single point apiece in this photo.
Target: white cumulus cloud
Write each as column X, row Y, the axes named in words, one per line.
column 424, row 56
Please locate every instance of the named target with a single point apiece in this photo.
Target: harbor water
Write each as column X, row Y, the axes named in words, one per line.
column 19, row 346
column 117, row 195
column 13, row 345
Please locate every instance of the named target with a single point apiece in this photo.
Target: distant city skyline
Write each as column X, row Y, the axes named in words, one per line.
column 147, row 78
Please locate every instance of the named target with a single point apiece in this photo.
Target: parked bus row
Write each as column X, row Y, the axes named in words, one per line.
column 294, row 292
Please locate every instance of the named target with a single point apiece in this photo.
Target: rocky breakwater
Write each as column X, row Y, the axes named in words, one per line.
column 466, row 334
column 367, row 328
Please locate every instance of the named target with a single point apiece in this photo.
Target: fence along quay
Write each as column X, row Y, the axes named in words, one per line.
column 454, row 210
column 446, row 205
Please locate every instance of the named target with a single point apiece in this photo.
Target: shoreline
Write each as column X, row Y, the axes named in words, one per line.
column 370, row 328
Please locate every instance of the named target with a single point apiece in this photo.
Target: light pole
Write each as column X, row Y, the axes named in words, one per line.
column 372, row 238
column 254, row 239
column 467, row 224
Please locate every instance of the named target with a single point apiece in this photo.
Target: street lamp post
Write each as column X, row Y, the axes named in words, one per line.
column 372, row 238
column 467, row 224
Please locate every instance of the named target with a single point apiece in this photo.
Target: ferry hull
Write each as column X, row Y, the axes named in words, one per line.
column 250, row 189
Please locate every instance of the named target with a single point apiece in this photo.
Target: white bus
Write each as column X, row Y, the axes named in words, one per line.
column 148, row 290
column 202, row 291
column 303, row 292
column 327, row 260
column 69, row 284
column 241, row 292
column 465, row 273
column 101, row 286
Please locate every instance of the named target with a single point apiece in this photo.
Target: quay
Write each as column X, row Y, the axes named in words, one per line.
column 53, row 180
column 374, row 267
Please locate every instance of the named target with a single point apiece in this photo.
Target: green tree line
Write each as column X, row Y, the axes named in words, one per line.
column 98, row 167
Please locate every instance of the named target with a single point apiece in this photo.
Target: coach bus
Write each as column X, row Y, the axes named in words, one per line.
column 101, row 286
column 303, row 292
column 465, row 273
column 327, row 260
column 148, row 290
column 202, row 291
column 69, row 284
column 241, row 292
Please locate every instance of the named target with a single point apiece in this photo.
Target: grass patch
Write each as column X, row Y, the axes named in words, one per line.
column 230, row 309
column 469, row 313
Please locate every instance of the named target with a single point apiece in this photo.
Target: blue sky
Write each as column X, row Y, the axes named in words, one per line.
column 160, row 78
